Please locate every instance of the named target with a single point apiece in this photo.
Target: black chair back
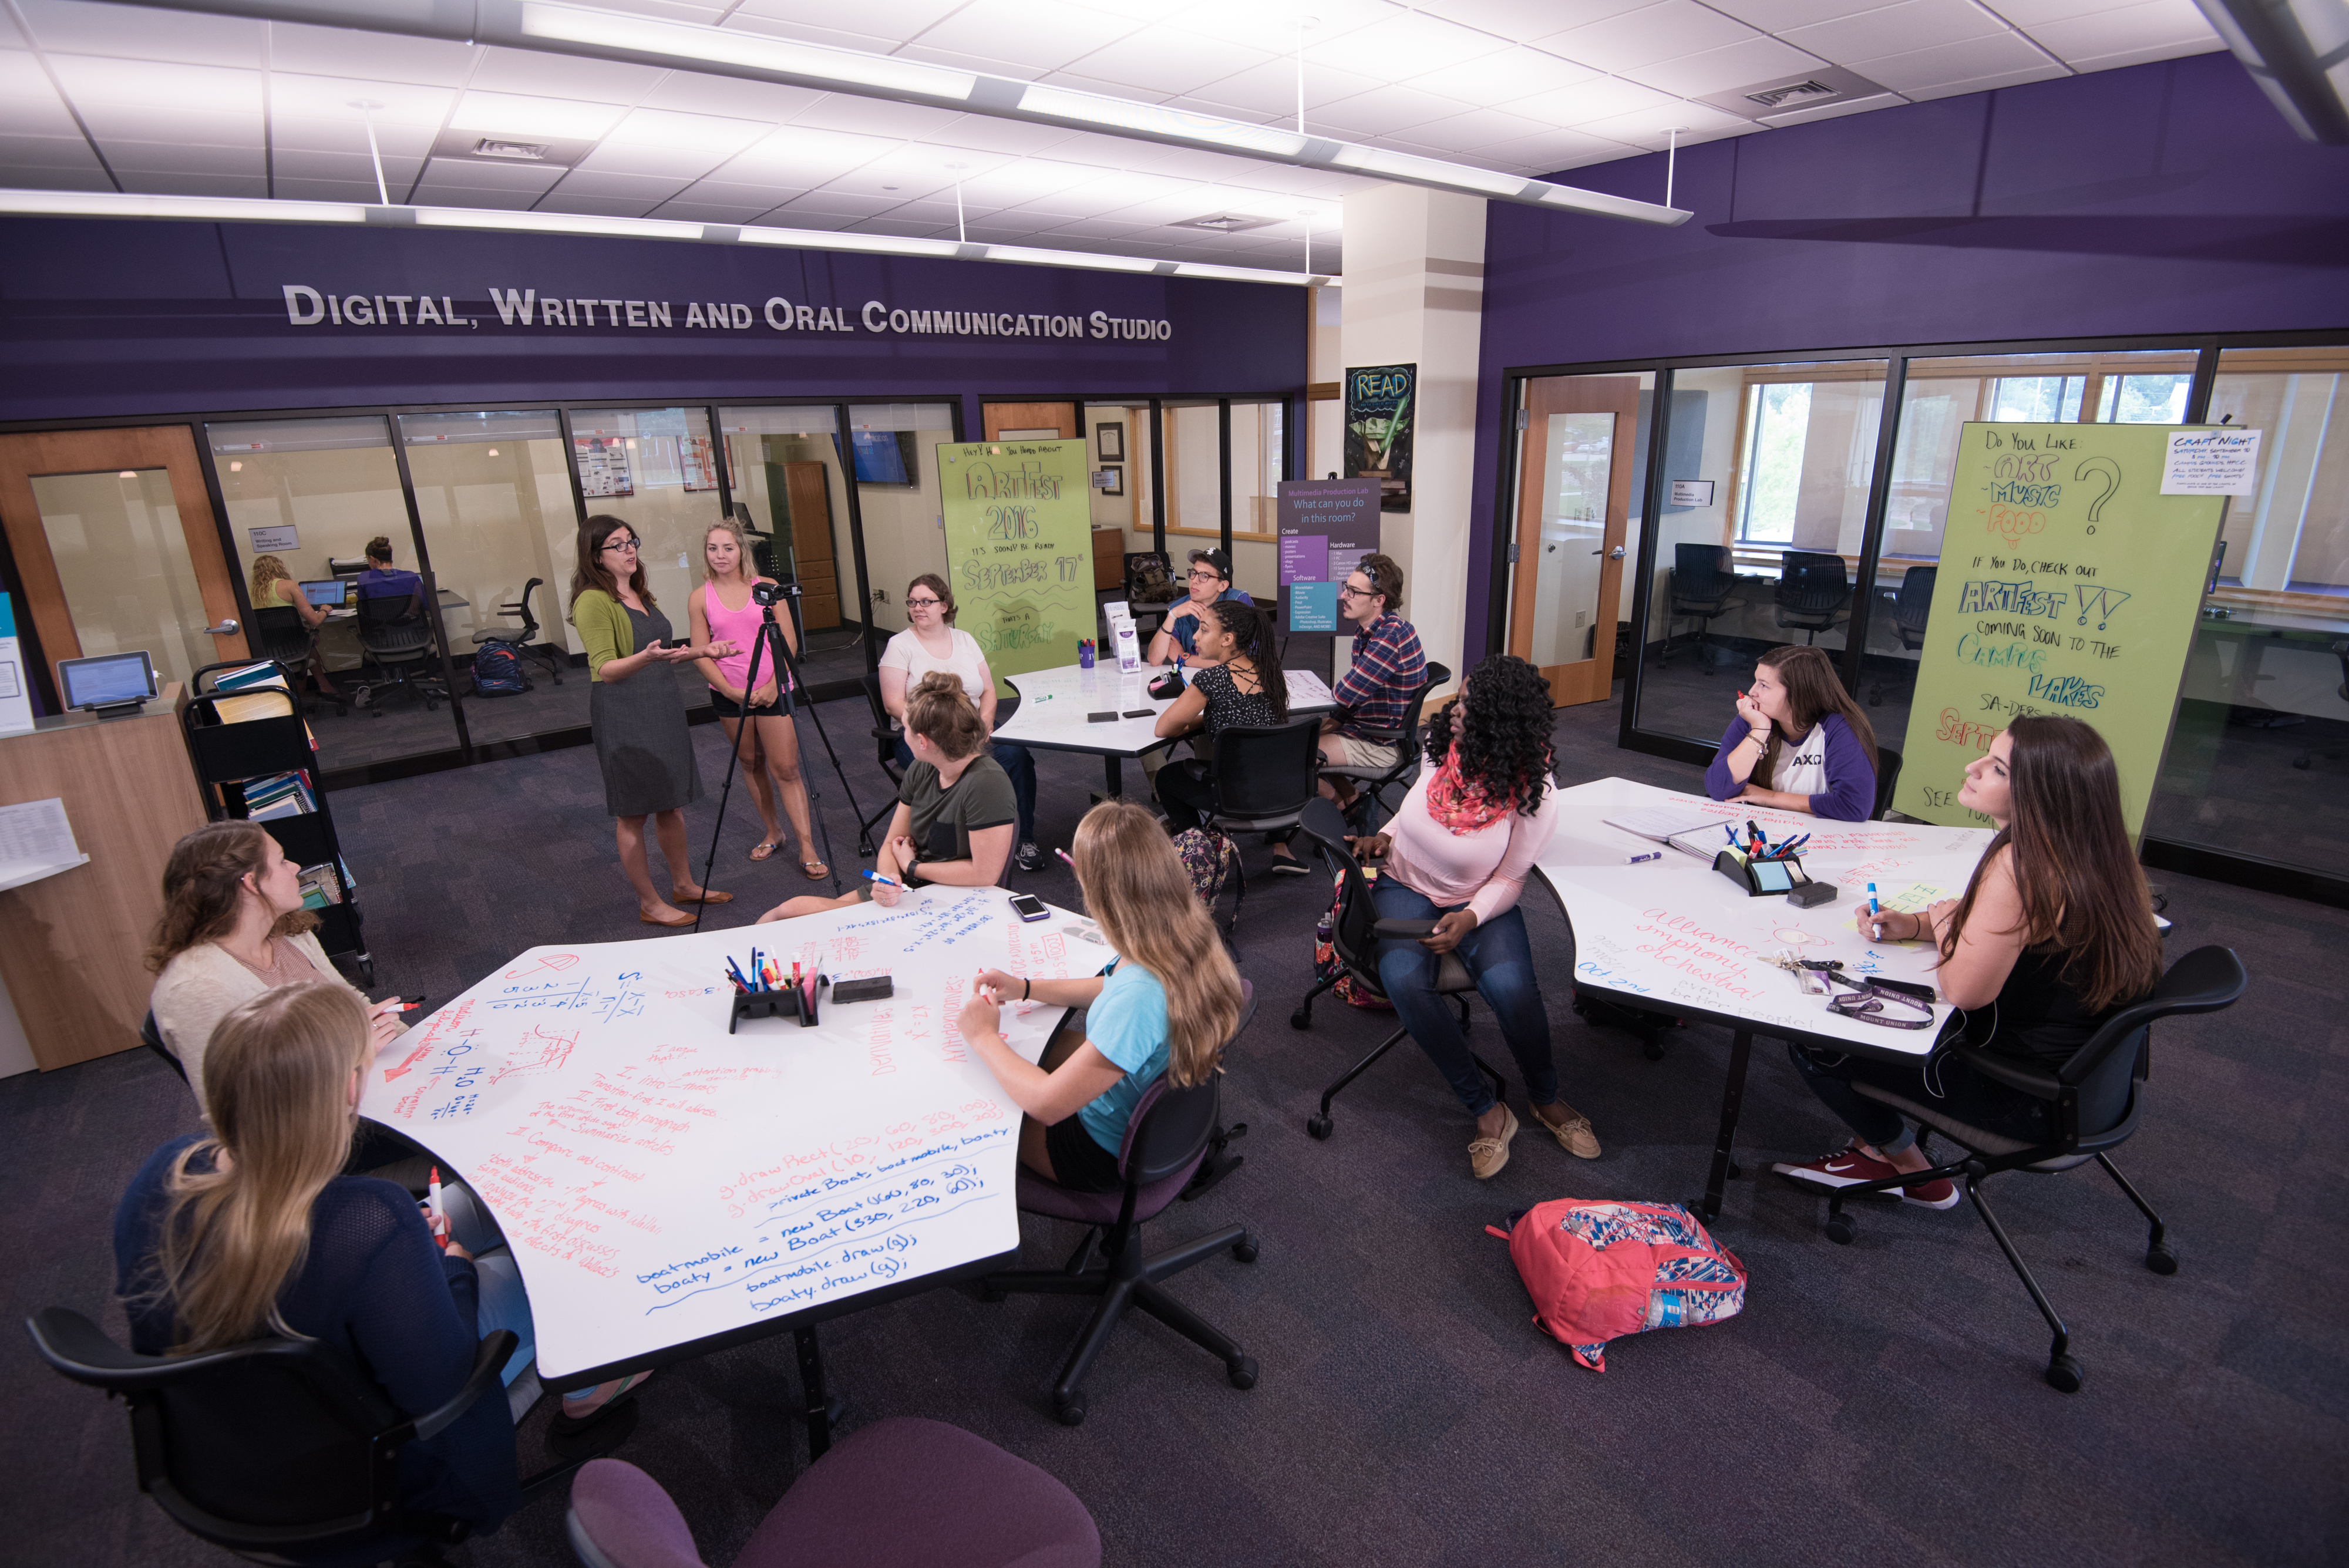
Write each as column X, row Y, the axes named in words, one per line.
column 1887, row 777
column 389, row 633
column 519, row 610
column 1812, row 584
column 278, row 1446
column 884, row 728
column 152, row 1038
column 1264, row 774
column 284, row 638
column 1350, row 934
column 1702, row 574
column 1912, row 607
column 1169, row 1129
column 2205, row 980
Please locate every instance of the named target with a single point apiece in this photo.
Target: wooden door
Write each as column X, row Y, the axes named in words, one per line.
column 1574, row 510
column 807, row 493
column 184, row 579
column 1060, row 419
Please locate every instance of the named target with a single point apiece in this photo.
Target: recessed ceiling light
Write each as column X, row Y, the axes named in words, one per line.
column 1226, row 223
column 236, row 468
column 128, row 474
column 493, row 451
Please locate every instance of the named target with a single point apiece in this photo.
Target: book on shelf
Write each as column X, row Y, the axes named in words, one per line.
column 273, row 795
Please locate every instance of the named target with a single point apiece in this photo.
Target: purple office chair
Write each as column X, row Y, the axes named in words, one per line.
column 903, row 1492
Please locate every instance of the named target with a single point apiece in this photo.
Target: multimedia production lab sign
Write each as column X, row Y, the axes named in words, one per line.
column 521, row 307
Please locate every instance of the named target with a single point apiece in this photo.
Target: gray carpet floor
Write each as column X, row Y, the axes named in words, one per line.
column 1876, row 1402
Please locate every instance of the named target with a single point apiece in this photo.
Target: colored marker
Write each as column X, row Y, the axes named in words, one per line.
column 1651, row 854
column 1798, row 844
column 1874, row 910
column 884, row 881
column 432, row 1196
column 736, row 975
column 1064, row 858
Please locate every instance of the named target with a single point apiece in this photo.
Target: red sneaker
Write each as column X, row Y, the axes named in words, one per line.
column 1941, row 1194
column 1845, row 1168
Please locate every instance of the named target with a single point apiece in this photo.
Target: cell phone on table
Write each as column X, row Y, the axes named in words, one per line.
column 1028, row 906
column 1905, row 988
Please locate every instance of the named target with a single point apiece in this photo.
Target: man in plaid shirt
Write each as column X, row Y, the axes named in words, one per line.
column 1388, row 666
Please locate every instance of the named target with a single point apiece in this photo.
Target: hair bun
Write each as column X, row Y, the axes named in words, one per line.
column 940, row 684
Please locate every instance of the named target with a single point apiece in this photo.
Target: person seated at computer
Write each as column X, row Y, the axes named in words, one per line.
column 1799, row 742
column 232, row 928
column 1166, row 1007
column 1374, row 695
column 1457, row 853
column 933, row 642
column 382, row 580
column 252, row 1232
column 1240, row 683
column 274, row 587
column 2054, row 933
column 955, row 812
column 1211, row 583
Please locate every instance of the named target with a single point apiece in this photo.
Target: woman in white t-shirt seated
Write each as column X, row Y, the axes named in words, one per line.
column 932, row 643
column 1799, row 742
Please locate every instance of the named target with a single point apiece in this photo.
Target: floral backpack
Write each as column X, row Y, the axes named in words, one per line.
column 1328, row 966
column 1599, row 1271
column 1209, row 857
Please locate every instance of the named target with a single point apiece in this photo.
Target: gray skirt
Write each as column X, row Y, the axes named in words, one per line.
column 642, row 743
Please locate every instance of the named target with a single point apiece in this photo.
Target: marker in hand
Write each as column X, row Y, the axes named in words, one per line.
column 884, row 881
column 1875, row 914
column 440, row 1219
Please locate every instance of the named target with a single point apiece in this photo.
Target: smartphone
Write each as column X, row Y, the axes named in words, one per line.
column 872, row 990
column 1905, row 988
column 1028, row 906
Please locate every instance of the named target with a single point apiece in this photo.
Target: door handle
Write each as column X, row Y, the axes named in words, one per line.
column 1616, row 553
column 225, row 628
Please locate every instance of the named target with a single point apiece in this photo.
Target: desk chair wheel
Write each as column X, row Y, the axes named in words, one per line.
column 1301, row 1019
column 1071, row 1410
column 1840, row 1230
column 2065, row 1374
column 1241, row 1371
column 2160, row 1259
column 1245, row 1249
column 1318, row 1125
column 1652, row 1049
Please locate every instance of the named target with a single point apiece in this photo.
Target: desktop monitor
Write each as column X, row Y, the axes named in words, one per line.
column 332, row 594
column 111, row 680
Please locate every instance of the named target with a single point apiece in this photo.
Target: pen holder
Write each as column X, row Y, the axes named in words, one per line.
column 1755, row 877
column 1084, row 655
column 784, row 1001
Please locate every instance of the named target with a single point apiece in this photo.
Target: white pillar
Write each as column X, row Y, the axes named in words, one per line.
column 1415, row 295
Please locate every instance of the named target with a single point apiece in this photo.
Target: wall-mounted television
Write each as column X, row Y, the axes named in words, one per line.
column 886, row 457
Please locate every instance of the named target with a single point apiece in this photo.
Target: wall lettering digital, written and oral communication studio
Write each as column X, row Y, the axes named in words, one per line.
column 519, row 307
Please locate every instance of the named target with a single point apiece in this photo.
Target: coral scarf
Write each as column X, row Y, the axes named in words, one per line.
column 1461, row 805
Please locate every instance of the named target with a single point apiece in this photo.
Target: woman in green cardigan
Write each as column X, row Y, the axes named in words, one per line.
column 641, row 741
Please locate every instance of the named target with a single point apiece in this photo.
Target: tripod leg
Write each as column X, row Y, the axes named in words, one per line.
column 733, row 756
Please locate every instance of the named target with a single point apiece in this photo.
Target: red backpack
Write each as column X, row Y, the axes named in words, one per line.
column 1599, row 1271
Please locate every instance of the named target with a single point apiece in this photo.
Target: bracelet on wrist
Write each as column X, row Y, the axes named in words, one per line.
column 1027, row 988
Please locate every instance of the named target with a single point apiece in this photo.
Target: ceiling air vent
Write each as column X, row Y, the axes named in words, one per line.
column 1784, row 98
column 526, row 151
column 1226, row 223
column 1775, row 98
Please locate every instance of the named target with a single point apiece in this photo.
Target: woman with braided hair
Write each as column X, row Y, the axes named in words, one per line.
column 1457, row 855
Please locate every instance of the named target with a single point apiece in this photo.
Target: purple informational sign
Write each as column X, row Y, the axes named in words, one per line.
column 1326, row 527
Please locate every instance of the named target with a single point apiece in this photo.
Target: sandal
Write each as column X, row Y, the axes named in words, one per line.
column 815, row 870
column 762, row 851
column 707, row 896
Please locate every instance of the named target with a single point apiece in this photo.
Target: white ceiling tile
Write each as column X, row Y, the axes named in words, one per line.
column 2047, row 70
column 1026, row 180
column 985, row 133
column 1166, row 61
column 1553, row 149
column 2147, row 54
column 941, row 211
column 1254, row 24
column 840, row 203
column 1271, row 90
column 22, row 153
column 349, row 134
column 381, row 57
column 988, row 65
column 731, row 193
column 1946, row 63
column 126, row 123
column 800, row 218
column 1601, row 97
column 523, row 116
column 801, row 32
column 671, row 163
column 1386, row 112
column 684, row 212
column 1529, row 18
column 633, row 187
column 296, row 96
column 433, row 195
column 1663, row 31
column 286, row 188
column 666, row 10
column 1651, row 132
column 874, row 117
column 29, row 106
column 1516, row 72
column 701, row 134
column 593, row 206
column 182, row 158
column 769, row 101
column 564, row 76
column 919, row 230
column 882, row 18
column 2152, row 25
column 153, row 84
column 1092, row 228
column 1911, row 24
column 898, row 176
column 1476, row 128
column 355, row 168
column 2028, row 14
column 145, row 182
column 184, row 37
column 1406, row 42
column 1781, row 16
column 804, row 159
column 1047, row 34
column 1757, row 59
column 475, row 175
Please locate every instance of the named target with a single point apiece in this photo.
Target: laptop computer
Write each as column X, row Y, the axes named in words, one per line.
column 332, row 594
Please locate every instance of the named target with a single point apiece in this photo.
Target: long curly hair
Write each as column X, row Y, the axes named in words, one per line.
column 1502, row 726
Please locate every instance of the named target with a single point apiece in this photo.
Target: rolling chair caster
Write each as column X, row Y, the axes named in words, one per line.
column 1841, row 1230
column 1242, row 1372
column 1071, row 1410
column 2160, row 1259
column 1318, row 1125
column 2065, row 1372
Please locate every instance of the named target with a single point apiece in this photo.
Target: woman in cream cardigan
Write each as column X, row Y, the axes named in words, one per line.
column 232, row 928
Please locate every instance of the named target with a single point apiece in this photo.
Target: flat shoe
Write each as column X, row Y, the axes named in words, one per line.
column 705, row 897
column 1487, row 1155
column 650, row 920
column 1573, row 1135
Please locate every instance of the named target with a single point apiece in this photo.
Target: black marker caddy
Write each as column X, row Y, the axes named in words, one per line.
column 785, row 1001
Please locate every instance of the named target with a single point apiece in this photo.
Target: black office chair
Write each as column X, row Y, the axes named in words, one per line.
column 2094, row 1100
column 399, row 644
column 1887, row 778
column 885, row 734
column 525, row 637
column 1703, row 581
column 1813, row 590
column 1369, row 806
column 2302, row 762
column 1912, row 607
column 284, row 639
column 152, row 1038
column 1264, row 775
column 281, row 1450
column 1164, row 1142
column 1354, row 936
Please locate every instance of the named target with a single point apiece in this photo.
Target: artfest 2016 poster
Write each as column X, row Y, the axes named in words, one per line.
column 1326, row 526
column 1380, row 414
column 1019, row 545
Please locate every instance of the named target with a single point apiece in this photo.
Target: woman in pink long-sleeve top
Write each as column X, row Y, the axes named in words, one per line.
column 1457, row 856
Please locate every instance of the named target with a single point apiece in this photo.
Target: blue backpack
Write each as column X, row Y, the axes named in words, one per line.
column 497, row 670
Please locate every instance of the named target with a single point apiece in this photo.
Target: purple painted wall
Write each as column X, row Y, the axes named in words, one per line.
column 111, row 318
column 2165, row 198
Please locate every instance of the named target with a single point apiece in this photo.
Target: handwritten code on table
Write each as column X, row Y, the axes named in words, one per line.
column 661, row 1181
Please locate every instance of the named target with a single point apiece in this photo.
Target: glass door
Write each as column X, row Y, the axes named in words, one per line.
column 1574, row 508
column 117, row 548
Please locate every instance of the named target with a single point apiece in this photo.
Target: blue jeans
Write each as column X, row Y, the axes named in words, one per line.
column 1501, row 959
column 1017, row 760
column 501, row 1302
column 1966, row 1095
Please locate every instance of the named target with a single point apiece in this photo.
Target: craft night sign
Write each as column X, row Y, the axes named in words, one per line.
column 518, row 307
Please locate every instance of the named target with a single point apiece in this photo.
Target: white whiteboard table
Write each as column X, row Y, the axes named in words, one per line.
column 669, row 1190
column 1674, row 936
column 1053, row 704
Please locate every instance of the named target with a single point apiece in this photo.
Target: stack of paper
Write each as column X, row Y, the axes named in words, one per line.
column 36, row 841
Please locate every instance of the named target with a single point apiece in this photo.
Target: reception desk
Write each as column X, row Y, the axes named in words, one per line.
column 76, row 941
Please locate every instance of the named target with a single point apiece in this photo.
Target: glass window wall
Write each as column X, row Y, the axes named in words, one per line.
column 784, row 465
column 903, row 511
column 123, row 560
column 1119, row 460
column 1256, row 494
column 655, row 468
column 305, row 497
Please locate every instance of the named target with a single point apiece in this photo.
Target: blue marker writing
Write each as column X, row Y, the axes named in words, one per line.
column 1730, row 834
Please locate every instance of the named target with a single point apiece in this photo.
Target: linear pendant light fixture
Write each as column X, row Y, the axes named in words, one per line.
column 539, row 25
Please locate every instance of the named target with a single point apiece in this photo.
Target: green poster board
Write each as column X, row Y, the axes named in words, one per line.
column 1020, row 549
column 2069, row 583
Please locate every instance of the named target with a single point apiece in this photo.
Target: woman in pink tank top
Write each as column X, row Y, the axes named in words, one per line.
column 767, row 743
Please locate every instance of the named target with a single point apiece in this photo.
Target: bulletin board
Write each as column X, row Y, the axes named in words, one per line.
column 2069, row 583
column 1019, row 547
column 1326, row 527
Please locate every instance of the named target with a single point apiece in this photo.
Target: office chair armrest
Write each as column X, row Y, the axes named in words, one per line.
column 1399, row 930
column 489, row 1356
column 2012, row 1073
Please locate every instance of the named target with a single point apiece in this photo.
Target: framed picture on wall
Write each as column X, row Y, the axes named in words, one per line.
column 1110, row 480
column 1109, row 445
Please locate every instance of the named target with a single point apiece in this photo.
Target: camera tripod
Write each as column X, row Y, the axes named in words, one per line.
column 766, row 594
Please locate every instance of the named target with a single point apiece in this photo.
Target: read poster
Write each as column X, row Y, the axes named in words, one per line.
column 1379, row 416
